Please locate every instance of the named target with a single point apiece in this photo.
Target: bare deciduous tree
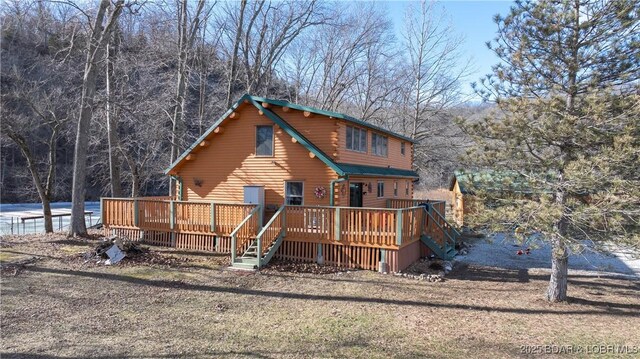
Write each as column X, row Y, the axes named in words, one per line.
column 99, row 36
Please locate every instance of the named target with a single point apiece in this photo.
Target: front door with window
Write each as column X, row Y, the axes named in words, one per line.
column 355, row 194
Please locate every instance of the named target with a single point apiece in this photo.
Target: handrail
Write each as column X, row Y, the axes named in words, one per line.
column 266, row 226
column 344, row 207
column 451, row 239
column 234, row 233
column 278, row 213
column 457, row 234
column 168, row 199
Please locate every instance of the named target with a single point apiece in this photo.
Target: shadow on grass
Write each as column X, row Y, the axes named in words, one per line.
column 74, row 242
column 626, row 310
column 212, row 354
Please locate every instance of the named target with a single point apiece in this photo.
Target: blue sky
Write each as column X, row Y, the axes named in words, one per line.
column 474, row 21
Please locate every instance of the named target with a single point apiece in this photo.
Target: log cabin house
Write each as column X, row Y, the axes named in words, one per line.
column 273, row 178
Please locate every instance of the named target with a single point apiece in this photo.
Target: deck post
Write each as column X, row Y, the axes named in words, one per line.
column 101, row 215
column 259, row 251
column 233, row 249
column 383, row 267
column 172, row 221
column 399, row 227
column 320, row 258
column 337, row 228
column 284, row 221
column 213, row 217
column 136, row 213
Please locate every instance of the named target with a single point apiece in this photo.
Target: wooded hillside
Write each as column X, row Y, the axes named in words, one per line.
column 171, row 68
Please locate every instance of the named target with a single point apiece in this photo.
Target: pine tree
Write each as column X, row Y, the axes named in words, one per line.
column 566, row 125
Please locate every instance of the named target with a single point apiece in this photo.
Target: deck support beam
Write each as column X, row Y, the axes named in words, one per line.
column 383, row 266
column 320, row 258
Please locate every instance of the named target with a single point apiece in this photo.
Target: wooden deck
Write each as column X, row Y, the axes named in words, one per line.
column 345, row 236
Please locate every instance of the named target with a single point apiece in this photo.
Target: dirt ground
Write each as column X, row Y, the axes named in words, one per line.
column 191, row 305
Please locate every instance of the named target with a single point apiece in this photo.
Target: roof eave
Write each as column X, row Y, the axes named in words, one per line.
column 219, row 121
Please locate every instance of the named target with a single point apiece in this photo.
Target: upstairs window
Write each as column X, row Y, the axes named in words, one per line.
column 402, row 148
column 379, row 145
column 294, row 193
column 264, row 141
column 380, row 189
column 356, row 139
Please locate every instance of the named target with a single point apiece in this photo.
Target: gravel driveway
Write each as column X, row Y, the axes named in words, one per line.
column 501, row 251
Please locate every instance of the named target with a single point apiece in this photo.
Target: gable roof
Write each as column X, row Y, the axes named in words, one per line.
column 341, row 169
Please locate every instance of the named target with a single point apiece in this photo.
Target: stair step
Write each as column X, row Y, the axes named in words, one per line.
column 246, row 260
column 244, row 265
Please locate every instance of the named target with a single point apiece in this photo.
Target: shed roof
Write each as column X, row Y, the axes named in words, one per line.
column 341, row 169
column 490, row 180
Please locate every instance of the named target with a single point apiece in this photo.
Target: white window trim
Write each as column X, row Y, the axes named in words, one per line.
column 395, row 188
column 273, row 141
column 285, row 193
column 378, row 190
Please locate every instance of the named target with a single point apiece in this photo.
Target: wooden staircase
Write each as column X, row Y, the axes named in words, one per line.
column 436, row 226
column 262, row 247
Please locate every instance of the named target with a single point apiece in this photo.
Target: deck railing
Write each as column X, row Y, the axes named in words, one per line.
column 180, row 216
column 389, row 228
column 245, row 233
column 379, row 227
column 271, row 231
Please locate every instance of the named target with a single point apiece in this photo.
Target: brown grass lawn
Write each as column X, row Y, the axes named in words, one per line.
column 56, row 307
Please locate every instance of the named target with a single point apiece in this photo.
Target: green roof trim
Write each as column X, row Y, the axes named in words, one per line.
column 363, row 170
column 331, row 114
column 491, row 180
column 298, row 136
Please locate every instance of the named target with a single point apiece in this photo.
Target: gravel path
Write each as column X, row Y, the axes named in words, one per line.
column 501, row 251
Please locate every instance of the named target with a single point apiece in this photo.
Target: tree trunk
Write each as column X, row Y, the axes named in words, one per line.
column 46, row 211
column 180, row 88
column 234, row 54
column 43, row 193
column 99, row 36
column 557, row 291
column 112, row 127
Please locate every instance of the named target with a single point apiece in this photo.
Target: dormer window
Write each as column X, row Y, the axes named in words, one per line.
column 356, row 139
column 379, row 145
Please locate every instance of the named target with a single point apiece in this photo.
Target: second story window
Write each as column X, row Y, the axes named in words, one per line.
column 379, row 145
column 264, row 141
column 402, row 148
column 356, row 139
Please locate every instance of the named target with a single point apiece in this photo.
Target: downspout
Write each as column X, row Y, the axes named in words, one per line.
column 333, row 187
column 178, row 180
